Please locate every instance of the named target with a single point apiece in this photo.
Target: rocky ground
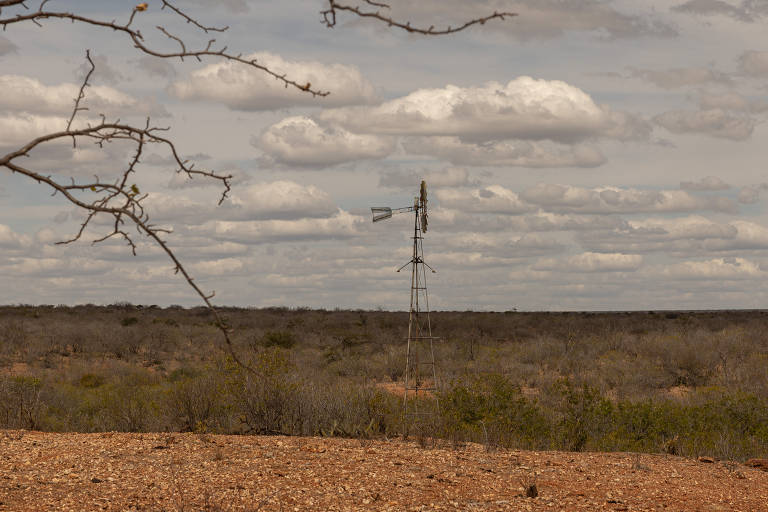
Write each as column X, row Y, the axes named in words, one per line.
column 114, row 471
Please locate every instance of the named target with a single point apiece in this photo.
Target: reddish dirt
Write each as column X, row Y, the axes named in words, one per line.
column 113, row 471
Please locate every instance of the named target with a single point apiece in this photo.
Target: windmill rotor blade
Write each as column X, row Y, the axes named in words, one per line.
column 423, row 193
column 381, row 213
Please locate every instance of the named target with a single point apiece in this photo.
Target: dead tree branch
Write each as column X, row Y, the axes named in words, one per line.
column 329, row 18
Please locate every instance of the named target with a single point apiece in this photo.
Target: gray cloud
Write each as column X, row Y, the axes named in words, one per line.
column 538, row 19
column 681, row 77
column 751, row 193
column 447, row 177
column 564, row 198
column 103, row 72
column 731, row 101
column 746, row 10
column 6, row 46
column 754, row 63
column 508, row 153
column 708, row 183
column 156, row 67
column 713, row 122
column 592, row 262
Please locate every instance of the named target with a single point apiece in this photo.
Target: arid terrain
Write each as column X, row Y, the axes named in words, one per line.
column 150, row 471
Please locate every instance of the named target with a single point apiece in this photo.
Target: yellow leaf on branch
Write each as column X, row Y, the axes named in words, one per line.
column 142, row 6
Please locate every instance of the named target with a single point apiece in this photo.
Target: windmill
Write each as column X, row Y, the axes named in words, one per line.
column 420, row 380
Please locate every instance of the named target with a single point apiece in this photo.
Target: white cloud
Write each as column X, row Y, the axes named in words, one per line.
column 21, row 128
column 715, row 122
column 341, row 225
column 219, row 267
column 25, row 94
column 719, row 268
column 524, row 108
column 592, row 262
column 303, row 142
column 708, row 183
column 241, row 87
column 517, row 153
column 277, row 200
column 280, row 200
column 492, row 199
column 565, row 198
column 12, row 240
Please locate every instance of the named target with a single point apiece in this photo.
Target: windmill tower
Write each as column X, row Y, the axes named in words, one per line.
column 420, row 400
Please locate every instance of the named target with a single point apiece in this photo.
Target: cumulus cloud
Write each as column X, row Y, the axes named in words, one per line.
column 708, row 183
column 719, row 268
column 25, row 94
column 517, row 153
column 565, row 198
column 715, row 122
column 681, row 77
column 283, row 200
column 524, row 108
column 280, row 200
column 746, row 10
column 538, row 19
column 592, row 262
column 6, row 46
column 491, row 199
column 9, row 239
column 218, row 267
column 301, row 141
column 447, row 177
column 750, row 194
column 245, row 88
column 342, row 225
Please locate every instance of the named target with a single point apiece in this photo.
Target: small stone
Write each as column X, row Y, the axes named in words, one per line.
column 707, row 460
column 96, row 480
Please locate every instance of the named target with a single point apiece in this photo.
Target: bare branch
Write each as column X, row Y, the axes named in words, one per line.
column 329, row 18
column 138, row 42
column 81, row 94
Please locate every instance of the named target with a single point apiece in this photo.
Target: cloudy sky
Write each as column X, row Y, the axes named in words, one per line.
column 584, row 155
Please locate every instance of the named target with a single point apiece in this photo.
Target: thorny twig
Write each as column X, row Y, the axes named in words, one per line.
column 329, row 18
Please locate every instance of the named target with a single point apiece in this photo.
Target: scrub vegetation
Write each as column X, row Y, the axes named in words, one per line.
column 686, row 383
